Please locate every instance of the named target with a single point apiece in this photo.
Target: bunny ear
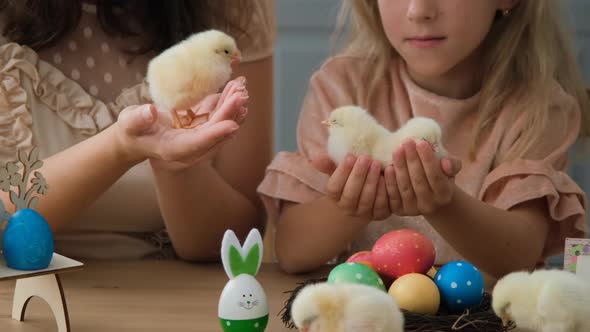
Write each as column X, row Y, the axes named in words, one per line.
column 237, row 260
column 229, row 241
column 254, row 247
column 239, row 265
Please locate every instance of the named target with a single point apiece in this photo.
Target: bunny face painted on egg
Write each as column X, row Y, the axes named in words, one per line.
column 242, row 304
column 242, row 298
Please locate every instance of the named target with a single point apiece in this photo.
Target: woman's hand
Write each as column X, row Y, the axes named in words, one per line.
column 418, row 183
column 144, row 132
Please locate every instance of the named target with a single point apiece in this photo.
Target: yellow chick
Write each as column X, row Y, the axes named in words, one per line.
column 353, row 130
column 544, row 301
column 181, row 76
column 345, row 307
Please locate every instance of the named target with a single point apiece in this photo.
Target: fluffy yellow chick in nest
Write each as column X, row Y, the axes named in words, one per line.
column 344, row 307
column 544, row 301
column 352, row 130
column 181, row 76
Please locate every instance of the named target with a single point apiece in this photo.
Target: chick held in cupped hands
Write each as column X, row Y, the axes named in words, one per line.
column 184, row 74
column 352, row 130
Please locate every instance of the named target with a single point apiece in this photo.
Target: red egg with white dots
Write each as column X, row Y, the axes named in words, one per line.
column 401, row 252
column 363, row 257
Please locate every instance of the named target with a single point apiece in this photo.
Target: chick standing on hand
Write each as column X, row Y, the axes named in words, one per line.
column 183, row 75
column 544, row 301
column 345, row 307
column 352, row 130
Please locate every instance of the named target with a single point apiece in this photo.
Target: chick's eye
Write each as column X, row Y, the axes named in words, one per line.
column 226, row 51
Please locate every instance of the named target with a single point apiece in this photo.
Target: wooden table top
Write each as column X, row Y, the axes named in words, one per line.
column 145, row 296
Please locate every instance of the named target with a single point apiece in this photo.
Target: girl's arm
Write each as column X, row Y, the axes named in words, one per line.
column 311, row 234
column 496, row 240
column 199, row 203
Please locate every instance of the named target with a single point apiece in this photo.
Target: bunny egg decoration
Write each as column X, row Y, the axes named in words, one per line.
column 242, row 304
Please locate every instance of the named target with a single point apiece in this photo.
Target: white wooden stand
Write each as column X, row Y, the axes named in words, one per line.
column 44, row 284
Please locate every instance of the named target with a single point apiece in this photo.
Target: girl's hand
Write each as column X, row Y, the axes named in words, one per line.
column 145, row 133
column 356, row 186
column 418, row 183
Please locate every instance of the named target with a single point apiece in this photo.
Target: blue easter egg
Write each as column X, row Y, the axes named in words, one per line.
column 27, row 242
column 460, row 284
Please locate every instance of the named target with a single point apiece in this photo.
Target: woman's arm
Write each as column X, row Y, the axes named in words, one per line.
column 79, row 175
column 198, row 204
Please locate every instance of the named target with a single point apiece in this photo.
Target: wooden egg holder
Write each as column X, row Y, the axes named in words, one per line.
column 44, row 284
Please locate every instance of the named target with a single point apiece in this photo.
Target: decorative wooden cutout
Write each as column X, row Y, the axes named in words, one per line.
column 15, row 175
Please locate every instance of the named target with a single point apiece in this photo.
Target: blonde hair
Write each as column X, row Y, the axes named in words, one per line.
column 524, row 52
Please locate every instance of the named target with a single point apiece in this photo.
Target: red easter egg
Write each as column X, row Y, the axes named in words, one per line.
column 401, row 252
column 363, row 257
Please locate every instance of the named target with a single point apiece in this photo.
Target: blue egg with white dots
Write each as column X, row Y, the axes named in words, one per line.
column 460, row 285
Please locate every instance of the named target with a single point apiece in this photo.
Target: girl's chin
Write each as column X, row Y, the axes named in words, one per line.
column 426, row 71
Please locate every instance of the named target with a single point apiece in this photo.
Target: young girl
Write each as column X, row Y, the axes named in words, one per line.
column 500, row 79
column 72, row 85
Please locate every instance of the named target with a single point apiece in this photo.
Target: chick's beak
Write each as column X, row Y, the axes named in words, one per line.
column 236, row 57
column 505, row 320
column 326, row 123
column 306, row 325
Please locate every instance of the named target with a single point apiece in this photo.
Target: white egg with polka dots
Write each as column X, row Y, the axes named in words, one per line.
column 460, row 284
